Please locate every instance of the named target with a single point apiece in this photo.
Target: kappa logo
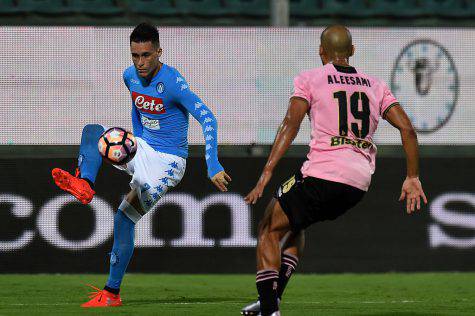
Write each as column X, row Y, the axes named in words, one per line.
column 288, row 185
column 148, row 104
column 134, row 81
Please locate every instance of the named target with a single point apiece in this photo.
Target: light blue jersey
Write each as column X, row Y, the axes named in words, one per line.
column 160, row 110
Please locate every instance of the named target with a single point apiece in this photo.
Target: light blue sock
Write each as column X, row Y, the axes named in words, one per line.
column 90, row 160
column 122, row 249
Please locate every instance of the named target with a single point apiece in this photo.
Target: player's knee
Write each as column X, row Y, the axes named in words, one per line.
column 133, row 199
column 268, row 236
column 300, row 241
column 300, row 236
column 265, row 228
column 130, row 211
column 92, row 130
column 123, row 246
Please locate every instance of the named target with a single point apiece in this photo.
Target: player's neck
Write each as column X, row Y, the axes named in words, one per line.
column 155, row 72
column 340, row 62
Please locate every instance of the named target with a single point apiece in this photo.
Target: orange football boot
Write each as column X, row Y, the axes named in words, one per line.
column 102, row 298
column 78, row 187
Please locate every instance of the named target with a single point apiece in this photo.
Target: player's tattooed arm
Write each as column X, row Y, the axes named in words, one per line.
column 412, row 188
column 286, row 133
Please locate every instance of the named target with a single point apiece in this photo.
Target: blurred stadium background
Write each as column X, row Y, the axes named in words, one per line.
column 61, row 69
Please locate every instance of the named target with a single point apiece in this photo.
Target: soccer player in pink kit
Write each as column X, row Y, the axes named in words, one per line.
column 344, row 106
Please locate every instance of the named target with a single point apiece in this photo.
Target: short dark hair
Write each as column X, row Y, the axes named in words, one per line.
column 145, row 32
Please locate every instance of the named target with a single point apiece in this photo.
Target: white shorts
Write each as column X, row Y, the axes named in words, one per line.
column 153, row 174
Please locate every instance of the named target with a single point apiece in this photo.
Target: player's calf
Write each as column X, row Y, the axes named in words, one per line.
column 266, row 283
column 89, row 159
column 288, row 265
column 273, row 227
column 122, row 248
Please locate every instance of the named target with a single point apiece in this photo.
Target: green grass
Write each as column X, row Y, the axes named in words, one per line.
column 164, row 294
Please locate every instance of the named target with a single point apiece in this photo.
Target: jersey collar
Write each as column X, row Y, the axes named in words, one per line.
column 345, row 69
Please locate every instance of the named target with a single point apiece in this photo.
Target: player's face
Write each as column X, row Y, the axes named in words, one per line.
column 145, row 57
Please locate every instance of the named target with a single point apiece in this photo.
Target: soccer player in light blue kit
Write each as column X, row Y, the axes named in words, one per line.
column 161, row 102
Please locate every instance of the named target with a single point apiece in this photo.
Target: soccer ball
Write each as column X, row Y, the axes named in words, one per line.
column 117, row 146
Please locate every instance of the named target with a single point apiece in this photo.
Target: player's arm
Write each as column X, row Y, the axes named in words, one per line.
column 287, row 132
column 209, row 125
column 136, row 122
column 412, row 188
column 137, row 126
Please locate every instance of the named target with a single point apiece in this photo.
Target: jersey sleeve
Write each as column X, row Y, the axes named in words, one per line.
column 300, row 88
column 388, row 101
column 137, row 127
column 193, row 104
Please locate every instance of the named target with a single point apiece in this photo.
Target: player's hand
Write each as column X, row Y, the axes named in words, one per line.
column 221, row 181
column 256, row 193
column 412, row 192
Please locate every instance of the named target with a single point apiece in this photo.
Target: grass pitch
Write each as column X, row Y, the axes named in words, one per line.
column 164, row 294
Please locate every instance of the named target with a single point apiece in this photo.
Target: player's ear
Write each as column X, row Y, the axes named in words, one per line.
column 352, row 50
column 323, row 58
column 159, row 52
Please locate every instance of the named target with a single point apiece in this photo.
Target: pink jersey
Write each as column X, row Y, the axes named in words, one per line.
column 345, row 106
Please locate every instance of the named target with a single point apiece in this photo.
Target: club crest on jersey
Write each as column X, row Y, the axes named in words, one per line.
column 424, row 79
column 160, row 87
column 147, row 104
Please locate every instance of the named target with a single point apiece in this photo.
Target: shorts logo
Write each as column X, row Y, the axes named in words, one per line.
column 148, row 104
column 288, row 185
column 424, row 79
column 160, row 87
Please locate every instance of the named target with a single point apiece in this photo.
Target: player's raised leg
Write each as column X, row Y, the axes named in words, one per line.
column 89, row 162
column 272, row 228
column 122, row 250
